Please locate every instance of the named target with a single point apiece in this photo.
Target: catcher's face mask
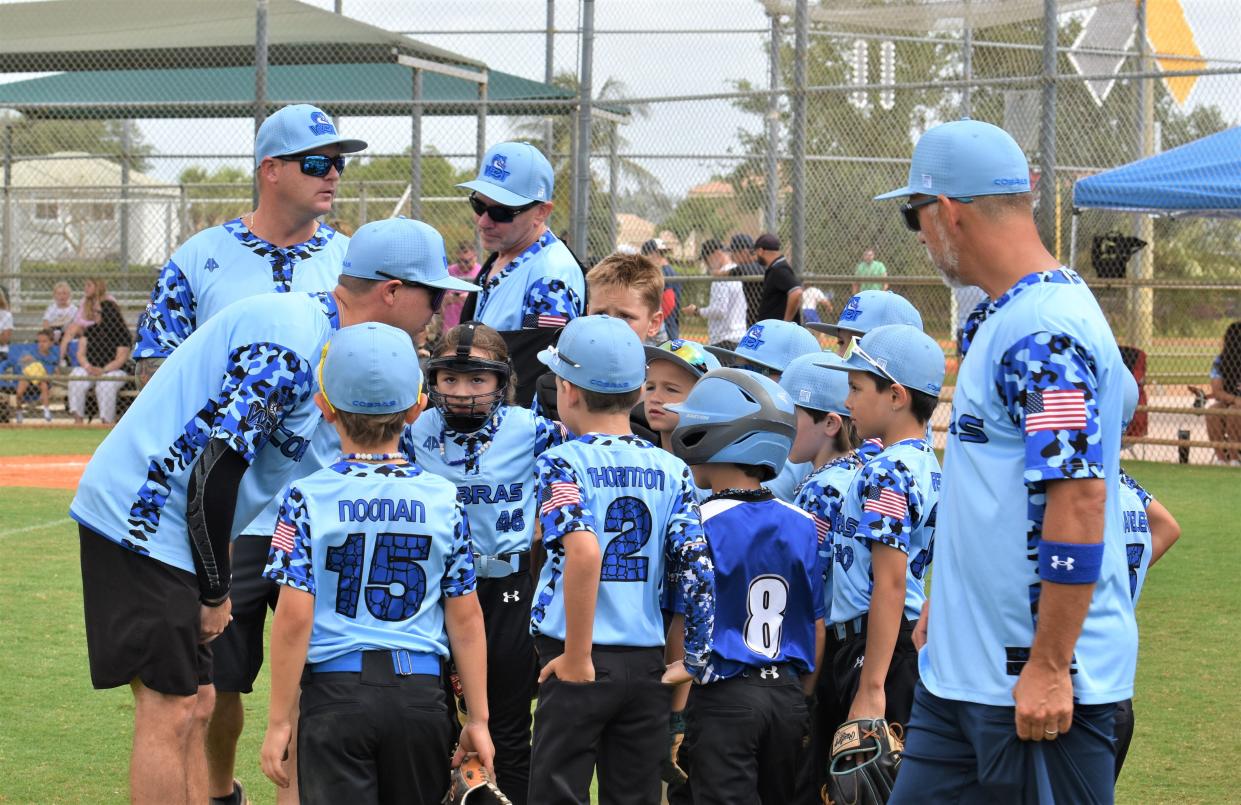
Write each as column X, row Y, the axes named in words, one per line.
column 465, row 388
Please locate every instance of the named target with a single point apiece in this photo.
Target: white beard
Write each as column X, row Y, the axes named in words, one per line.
column 949, row 262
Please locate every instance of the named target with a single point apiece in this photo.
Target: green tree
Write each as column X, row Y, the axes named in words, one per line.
column 95, row 137
column 564, row 127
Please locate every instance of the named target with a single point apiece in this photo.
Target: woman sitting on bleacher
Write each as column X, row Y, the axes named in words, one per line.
column 102, row 350
column 1226, row 389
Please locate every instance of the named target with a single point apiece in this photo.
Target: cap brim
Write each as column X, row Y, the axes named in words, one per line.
column 497, row 194
column 731, row 359
column 831, row 329
column 657, row 354
column 451, row 284
column 904, row 191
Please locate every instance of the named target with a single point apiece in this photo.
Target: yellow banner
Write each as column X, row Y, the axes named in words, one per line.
column 1168, row 31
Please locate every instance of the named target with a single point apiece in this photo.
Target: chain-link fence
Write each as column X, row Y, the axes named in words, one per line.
column 705, row 120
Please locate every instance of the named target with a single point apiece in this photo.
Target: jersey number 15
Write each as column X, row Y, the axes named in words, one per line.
column 396, row 583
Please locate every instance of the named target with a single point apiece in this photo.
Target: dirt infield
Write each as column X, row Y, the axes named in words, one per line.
column 42, row 472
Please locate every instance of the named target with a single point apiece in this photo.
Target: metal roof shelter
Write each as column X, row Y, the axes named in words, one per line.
column 194, row 59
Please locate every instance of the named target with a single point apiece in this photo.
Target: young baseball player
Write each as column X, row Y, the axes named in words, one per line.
column 619, row 523
column 1150, row 530
column 376, row 559
column 825, row 438
column 883, row 545
column 864, row 312
column 746, row 724
column 768, row 348
column 486, row 446
column 672, row 369
column 628, row 287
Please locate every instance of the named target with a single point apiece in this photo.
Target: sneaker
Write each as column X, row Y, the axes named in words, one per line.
column 47, row 415
column 19, row 417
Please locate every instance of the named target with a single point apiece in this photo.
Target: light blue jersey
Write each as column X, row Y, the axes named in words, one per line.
column 226, row 263
column 768, row 583
column 1038, row 399
column 492, row 470
column 542, row 287
column 1139, row 545
column 246, row 376
column 639, row 501
column 893, row 501
column 822, row 496
column 784, row 486
column 379, row 547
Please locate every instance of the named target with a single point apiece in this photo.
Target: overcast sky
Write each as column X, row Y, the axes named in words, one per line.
column 674, row 63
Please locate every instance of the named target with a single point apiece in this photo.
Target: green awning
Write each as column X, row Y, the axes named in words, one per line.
column 341, row 89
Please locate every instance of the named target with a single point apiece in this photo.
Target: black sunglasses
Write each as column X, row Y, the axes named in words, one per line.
column 317, row 165
column 498, row 212
column 909, row 210
column 437, row 294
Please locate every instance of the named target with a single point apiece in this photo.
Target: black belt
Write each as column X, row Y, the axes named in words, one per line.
column 857, row 627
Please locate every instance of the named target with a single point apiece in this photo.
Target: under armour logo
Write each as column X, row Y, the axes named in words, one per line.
column 769, row 673
column 513, row 596
column 1061, row 564
column 211, row 265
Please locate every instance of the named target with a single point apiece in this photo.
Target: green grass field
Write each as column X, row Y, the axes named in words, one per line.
column 63, row 742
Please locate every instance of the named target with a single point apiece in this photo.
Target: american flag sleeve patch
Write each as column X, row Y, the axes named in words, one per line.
column 558, row 494
column 1055, row 409
column 820, row 528
column 282, row 539
column 887, row 502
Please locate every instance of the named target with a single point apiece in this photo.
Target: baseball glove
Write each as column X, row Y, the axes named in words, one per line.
column 472, row 785
column 866, row 754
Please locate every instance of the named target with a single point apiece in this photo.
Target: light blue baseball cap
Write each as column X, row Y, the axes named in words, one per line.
column 598, row 353
column 900, row 353
column 963, row 159
column 299, row 128
column 689, row 355
column 1130, row 395
column 370, row 368
column 811, row 383
column 514, row 174
column 401, row 249
column 870, row 309
column 771, row 344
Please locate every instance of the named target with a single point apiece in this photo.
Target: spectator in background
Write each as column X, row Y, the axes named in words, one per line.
column 102, row 350
column 35, row 367
column 6, row 326
column 781, row 288
column 812, row 301
column 870, row 267
column 466, row 268
column 1226, row 389
column 725, row 308
column 656, row 251
column 94, row 291
column 61, row 311
column 742, row 248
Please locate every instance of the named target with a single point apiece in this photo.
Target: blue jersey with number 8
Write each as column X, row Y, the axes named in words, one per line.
column 768, row 582
column 379, row 547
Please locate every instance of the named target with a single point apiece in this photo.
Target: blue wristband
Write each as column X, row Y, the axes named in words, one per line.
column 1070, row 562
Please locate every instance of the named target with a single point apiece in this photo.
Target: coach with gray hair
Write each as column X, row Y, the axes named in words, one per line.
column 1029, row 634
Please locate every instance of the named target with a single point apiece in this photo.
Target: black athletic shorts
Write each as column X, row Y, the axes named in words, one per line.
column 237, row 654
column 142, row 620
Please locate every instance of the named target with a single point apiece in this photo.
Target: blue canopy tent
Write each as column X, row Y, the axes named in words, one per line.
column 1201, row 178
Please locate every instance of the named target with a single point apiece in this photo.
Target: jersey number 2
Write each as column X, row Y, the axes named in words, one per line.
column 765, row 604
column 630, row 520
column 396, row 584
